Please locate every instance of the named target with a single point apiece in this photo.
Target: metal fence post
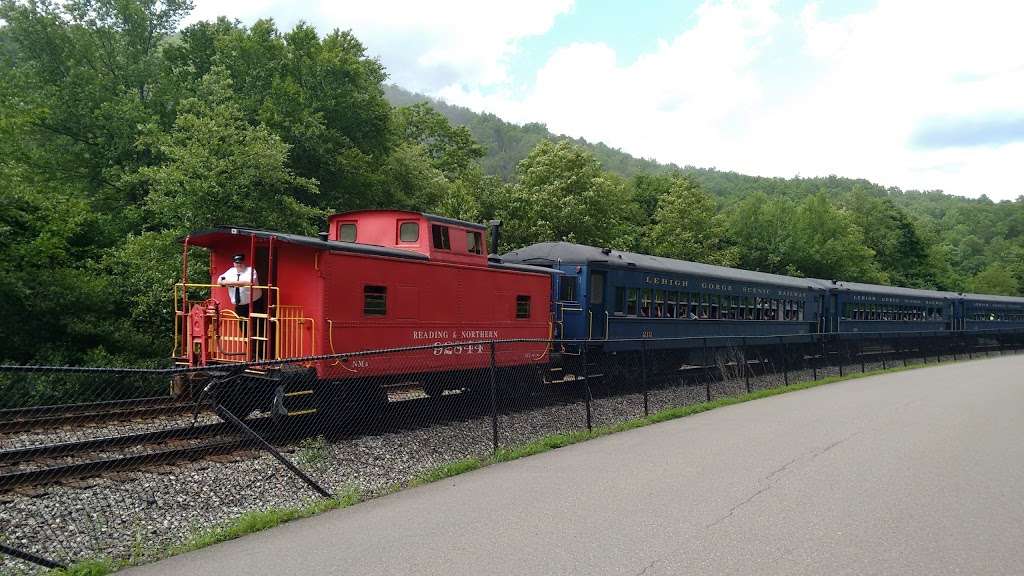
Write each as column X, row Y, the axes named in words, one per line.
column 586, row 382
column 746, row 366
column 814, row 364
column 704, row 368
column 840, row 348
column 881, row 352
column 643, row 375
column 30, row 557
column 494, row 398
column 234, row 421
column 785, row 363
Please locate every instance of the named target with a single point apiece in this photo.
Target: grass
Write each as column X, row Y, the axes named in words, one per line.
column 263, row 519
column 245, row 524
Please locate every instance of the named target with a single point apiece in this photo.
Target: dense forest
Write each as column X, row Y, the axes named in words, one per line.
column 120, row 132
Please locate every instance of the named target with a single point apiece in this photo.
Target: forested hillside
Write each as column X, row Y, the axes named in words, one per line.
column 119, row 133
column 924, row 239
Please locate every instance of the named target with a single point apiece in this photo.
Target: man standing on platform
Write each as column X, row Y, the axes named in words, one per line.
column 239, row 280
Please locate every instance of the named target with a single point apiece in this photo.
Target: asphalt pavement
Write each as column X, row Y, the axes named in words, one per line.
column 918, row 472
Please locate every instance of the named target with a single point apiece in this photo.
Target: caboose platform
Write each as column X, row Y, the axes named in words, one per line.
column 917, row 472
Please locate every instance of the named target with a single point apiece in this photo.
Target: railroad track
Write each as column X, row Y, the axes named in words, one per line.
column 37, row 417
column 223, row 439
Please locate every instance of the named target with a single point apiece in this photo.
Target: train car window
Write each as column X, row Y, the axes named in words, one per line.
column 715, row 307
column 670, row 304
column 409, row 232
column 620, row 299
column 645, row 302
column 631, row 301
column 522, row 306
column 440, row 236
column 375, row 300
column 734, row 308
column 659, row 303
column 567, row 289
column 800, row 311
column 596, row 288
column 347, row 232
column 473, row 243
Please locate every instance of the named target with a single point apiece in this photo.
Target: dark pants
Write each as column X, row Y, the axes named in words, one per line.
column 243, row 312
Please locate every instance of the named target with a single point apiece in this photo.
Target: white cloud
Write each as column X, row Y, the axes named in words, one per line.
column 744, row 88
column 430, row 45
column 685, row 101
column 425, row 46
column 847, row 101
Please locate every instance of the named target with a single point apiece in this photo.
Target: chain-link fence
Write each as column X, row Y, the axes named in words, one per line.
column 131, row 464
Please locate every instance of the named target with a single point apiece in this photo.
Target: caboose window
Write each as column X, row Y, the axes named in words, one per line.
column 631, row 301
column 620, row 300
column 347, row 232
column 522, row 306
column 375, row 300
column 441, row 240
column 409, row 232
column 473, row 243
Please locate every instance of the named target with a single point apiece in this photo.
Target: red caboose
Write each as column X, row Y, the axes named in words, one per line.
column 377, row 279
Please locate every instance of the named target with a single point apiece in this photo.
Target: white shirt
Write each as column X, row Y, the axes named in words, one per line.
column 240, row 294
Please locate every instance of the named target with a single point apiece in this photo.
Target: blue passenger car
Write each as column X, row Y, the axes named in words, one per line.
column 985, row 312
column 608, row 295
column 857, row 307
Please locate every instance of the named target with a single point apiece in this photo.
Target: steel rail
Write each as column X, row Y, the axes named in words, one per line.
column 22, row 419
column 98, row 467
column 14, row 455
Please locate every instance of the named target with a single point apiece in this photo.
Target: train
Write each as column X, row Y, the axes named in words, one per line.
column 432, row 285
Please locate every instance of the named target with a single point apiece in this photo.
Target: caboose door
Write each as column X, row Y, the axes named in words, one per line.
column 596, row 311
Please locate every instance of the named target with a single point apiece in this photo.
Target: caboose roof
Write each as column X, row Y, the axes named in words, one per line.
column 428, row 216
column 209, row 237
column 553, row 253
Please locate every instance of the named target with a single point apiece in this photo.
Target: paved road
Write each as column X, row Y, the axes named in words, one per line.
column 919, row 472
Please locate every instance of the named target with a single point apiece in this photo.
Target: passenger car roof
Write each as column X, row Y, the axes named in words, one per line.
column 995, row 298
column 886, row 290
column 553, row 253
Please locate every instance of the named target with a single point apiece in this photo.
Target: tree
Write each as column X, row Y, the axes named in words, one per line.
column 687, row 228
column 450, row 149
column 216, row 169
column 994, row 279
column 562, row 194
column 759, row 225
column 321, row 96
column 826, row 244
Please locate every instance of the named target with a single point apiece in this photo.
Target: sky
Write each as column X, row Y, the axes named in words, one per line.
column 925, row 95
